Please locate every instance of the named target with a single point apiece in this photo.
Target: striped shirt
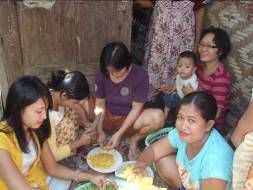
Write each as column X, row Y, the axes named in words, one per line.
column 218, row 84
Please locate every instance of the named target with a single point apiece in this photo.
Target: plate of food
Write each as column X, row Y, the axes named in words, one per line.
column 104, row 160
column 125, row 170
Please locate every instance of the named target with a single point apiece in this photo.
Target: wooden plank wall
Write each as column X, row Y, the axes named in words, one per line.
column 3, row 82
column 71, row 34
column 11, row 57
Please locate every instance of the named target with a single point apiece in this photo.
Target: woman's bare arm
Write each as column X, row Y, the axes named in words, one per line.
column 10, row 174
column 244, row 126
column 213, row 183
column 131, row 117
column 59, row 171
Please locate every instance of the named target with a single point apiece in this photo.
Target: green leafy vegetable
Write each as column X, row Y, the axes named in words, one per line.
column 94, row 187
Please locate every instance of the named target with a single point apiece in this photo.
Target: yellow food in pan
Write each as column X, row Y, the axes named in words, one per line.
column 102, row 160
column 128, row 173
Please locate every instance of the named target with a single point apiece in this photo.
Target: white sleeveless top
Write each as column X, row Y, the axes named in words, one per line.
column 29, row 158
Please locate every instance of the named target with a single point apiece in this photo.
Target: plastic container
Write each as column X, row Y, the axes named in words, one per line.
column 157, row 135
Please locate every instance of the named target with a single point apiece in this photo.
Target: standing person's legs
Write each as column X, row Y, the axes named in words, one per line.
column 150, row 120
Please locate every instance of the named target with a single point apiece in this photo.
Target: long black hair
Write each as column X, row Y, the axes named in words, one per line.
column 74, row 84
column 25, row 91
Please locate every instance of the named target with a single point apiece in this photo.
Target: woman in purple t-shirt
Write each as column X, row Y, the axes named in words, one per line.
column 121, row 90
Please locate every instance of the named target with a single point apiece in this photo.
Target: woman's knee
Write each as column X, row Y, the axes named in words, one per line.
column 168, row 171
column 157, row 118
column 151, row 118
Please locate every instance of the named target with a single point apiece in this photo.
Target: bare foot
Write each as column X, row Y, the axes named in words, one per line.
column 134, row 152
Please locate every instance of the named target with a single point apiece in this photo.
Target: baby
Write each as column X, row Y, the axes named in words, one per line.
column 185, row 79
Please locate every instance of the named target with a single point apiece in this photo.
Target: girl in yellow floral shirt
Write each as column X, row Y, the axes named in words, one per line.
column 67, row 90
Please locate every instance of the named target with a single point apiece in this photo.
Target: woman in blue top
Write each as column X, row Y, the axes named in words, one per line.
column 194, row 155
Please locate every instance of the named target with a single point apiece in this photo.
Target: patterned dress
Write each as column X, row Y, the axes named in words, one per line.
column 67, row 129
column 171, row 31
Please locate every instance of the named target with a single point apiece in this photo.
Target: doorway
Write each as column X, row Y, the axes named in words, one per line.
column 140, row 23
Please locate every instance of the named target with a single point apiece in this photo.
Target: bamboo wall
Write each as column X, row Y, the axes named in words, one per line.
column 234, row 18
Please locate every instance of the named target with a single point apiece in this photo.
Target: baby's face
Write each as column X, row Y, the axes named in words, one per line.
column 185, row 67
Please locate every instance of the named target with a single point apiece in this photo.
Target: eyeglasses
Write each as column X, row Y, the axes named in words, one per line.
column 207, row 46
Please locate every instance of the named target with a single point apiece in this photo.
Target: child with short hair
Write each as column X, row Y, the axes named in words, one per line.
column 185, row 78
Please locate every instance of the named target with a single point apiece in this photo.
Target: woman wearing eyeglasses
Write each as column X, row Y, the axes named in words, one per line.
column 213, row 77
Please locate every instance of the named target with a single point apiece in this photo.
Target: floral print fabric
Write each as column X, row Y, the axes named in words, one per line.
column 67, row 129
column 171, row 31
